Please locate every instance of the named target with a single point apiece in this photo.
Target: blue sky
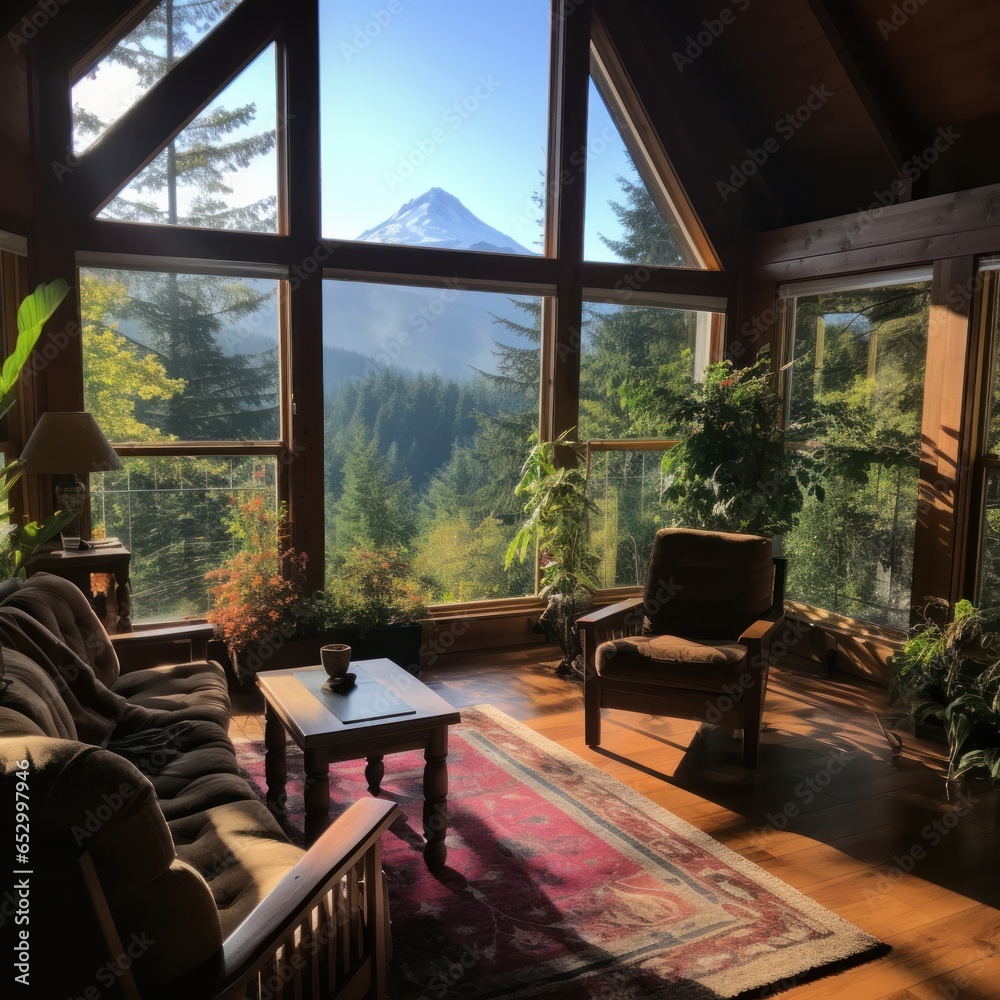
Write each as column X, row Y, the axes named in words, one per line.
column 445, row 93
column 391, row 128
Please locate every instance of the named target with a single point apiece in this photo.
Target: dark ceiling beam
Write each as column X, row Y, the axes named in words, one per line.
column 882, row 100
column 139, row 136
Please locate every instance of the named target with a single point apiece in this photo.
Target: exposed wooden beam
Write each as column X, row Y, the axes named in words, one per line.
column 109, row 236
column 883, row 101
column 928, row 219
column 299, row 158
column 567, row 202
column 136, row 138
column 692, row 115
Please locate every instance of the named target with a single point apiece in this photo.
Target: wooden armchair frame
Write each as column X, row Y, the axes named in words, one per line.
column 322, row 932
column 741, row 710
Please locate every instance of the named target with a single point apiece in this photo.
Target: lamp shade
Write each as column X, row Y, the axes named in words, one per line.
column 70, row 443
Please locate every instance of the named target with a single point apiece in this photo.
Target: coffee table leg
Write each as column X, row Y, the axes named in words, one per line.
column 436, row 798
column 275, row 772
column 374, row 773
column 317, row 794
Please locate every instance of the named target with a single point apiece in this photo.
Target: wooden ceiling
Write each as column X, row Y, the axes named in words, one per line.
column 899, row 74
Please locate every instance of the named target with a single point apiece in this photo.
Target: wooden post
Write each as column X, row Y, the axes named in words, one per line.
column 948, row 436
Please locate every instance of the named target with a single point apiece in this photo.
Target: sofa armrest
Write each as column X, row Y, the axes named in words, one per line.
column 332, row 922
column 159, row 646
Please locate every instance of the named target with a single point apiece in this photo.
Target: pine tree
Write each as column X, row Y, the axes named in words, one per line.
column 374, row 510
column 203, row 154
column 646, row 238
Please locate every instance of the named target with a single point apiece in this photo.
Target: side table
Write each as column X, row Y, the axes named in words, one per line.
column 79, row 566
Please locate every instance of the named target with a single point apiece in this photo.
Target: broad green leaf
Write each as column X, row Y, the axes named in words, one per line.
column 33, row 314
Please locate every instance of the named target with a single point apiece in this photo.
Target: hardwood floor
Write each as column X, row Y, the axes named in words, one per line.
column 886, row 843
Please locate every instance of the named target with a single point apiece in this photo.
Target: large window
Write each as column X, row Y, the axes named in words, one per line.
column 171, row 360
column 435, row 123
column 856, row 386
column 453, row 127
column 171, row 513
column 431, row 394
column 137, row 62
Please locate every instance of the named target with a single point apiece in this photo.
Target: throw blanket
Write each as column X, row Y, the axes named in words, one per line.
column 94, row 708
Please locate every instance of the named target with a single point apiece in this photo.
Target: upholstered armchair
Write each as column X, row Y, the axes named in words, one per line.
column 695, row 645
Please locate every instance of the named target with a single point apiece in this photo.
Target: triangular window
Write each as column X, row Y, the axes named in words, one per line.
column 221, row 171
column 634, row 214
column 143, row 56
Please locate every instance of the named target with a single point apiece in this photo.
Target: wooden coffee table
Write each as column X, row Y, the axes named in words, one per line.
column 393, row 712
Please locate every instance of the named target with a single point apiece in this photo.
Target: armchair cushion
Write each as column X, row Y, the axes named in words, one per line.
column 88, row 800
column 670, row 661
column 707, row 583
column 241, row 852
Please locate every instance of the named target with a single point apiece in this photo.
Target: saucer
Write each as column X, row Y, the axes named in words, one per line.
column 341, row 684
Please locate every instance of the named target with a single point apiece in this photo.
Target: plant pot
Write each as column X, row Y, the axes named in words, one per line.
column 282, row 654
column 399, row 643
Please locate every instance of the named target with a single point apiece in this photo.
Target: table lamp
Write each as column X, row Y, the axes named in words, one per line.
column 70, row 445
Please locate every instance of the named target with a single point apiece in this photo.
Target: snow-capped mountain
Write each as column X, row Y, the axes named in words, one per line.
column 439, row 219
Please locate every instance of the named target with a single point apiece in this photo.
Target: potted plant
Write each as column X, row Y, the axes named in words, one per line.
column 554, row 479
column 950, row 673
column 730, row 470
column 261, row 609
column 258, row 593
column 20, row 543
column 376, row 605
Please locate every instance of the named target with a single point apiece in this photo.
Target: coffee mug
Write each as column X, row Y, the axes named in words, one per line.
column 336, row 659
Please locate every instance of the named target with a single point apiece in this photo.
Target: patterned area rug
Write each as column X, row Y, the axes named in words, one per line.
column 564, row 883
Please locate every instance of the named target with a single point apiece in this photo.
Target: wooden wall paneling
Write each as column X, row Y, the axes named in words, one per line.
column 58, row 385
column 948, row 433
column 300, row 151
column 16, row 189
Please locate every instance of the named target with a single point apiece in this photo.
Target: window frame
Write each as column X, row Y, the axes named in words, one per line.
column 305, row 258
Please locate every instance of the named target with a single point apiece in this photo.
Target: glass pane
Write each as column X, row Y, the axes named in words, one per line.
column 171, row 514
column 623, row 345
column 857, row 388
column 139, row 60
column 989, row 560
column 628, row 217
column 188, row 357
column 626, row 486
column 221, row 172
column 430, row 397
column 435, row 123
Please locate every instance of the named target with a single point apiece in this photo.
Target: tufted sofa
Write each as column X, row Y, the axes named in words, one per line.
column 152, row 868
